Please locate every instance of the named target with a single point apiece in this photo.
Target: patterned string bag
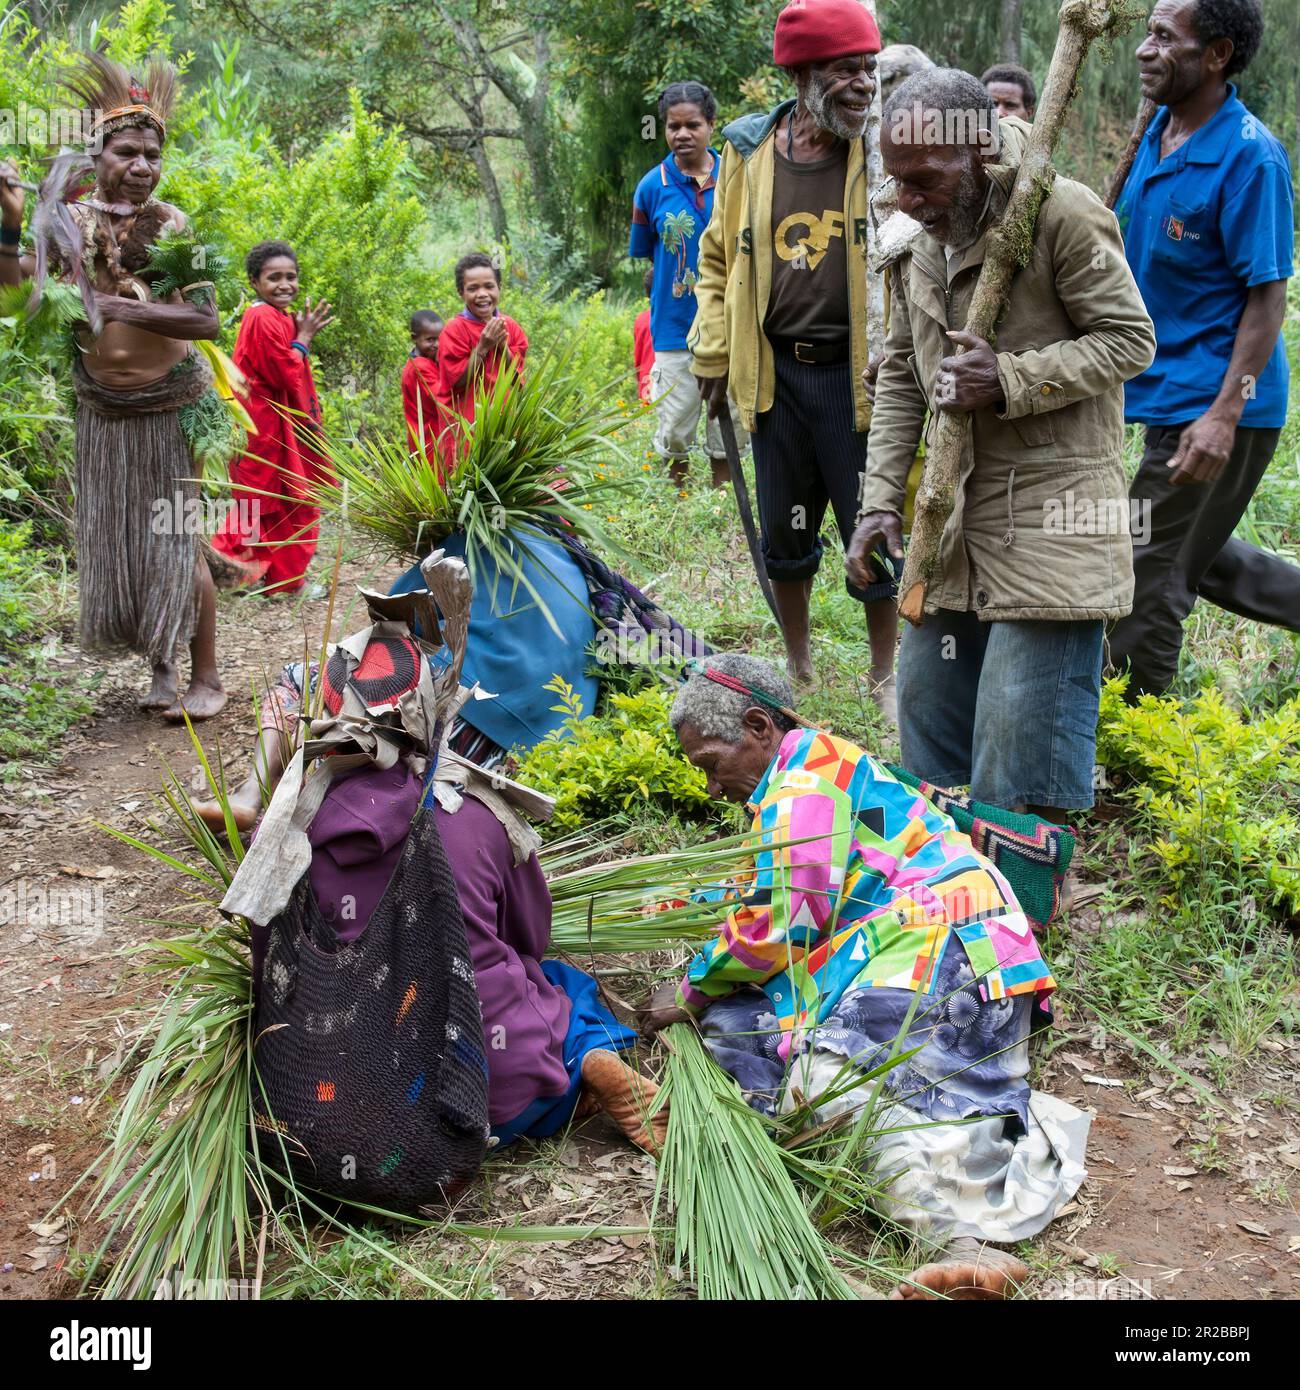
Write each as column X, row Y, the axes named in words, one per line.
column 369, row 1073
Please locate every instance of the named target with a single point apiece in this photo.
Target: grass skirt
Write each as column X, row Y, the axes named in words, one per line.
column 135, row 477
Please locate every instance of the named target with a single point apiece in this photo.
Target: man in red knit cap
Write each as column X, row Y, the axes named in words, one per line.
column 782, row 310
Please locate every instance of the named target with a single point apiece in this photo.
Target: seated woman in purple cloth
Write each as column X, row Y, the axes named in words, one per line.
column 552, row 1047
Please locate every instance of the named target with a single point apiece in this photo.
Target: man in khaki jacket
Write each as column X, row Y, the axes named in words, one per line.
column 781, row 311
column 999, row 687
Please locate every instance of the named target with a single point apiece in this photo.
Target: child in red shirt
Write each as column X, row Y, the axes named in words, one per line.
column 274, row 478
column 643, row 347
column 475, row 343
column 420, row 404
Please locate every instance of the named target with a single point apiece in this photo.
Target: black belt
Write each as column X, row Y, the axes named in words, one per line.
column 820, row 353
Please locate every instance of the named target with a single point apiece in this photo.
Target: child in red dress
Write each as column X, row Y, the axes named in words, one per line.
column 475, row 343
column 424, row 420
column 283, row 456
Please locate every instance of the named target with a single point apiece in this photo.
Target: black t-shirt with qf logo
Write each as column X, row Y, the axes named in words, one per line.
column 810, row 281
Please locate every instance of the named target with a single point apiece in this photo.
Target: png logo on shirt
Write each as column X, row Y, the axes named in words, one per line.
column 1176, row 230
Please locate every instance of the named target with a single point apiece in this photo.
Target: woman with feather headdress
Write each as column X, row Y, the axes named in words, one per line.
column 138, row 377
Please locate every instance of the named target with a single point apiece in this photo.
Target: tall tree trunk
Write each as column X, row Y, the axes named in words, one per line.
column 530, row 102
column 535, row 120
column 1009, row 246
column 476, row 148
column 491, row 191
column 1009, row 31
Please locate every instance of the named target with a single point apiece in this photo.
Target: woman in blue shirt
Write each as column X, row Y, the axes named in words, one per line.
column 670, row 210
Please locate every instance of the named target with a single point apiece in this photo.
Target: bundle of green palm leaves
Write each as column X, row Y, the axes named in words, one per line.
column 527, row 465
column 744, row 1229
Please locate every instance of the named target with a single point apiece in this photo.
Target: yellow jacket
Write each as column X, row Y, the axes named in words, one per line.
column 735, row 269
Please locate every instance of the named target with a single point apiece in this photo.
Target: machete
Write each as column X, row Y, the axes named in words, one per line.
column 741, row 489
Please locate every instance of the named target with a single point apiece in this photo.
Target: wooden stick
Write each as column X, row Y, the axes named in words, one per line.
column 1145, row 112
column 875, row 177
column 1009, row 246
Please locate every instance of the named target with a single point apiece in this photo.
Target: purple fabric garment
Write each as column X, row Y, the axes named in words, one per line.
column 357, row 838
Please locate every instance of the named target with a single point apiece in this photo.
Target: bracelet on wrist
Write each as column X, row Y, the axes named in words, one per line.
column 302, row 347
column 10, row 236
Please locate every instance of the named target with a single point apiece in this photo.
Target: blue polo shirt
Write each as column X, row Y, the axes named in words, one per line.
column 665, row 190
column 1201, row 228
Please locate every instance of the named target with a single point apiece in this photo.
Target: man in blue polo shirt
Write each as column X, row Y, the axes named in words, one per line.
column 1206, row 214
column 670, row 210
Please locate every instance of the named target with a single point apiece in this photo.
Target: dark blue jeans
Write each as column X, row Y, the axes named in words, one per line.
column 1006, row 708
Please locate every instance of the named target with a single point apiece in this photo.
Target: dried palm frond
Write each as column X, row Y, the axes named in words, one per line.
column 56, row 233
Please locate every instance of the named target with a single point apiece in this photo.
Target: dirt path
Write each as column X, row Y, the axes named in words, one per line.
column 1189, row 1198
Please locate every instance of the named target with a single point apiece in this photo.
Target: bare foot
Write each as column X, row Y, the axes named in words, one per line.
column 801, row 673
column 626, row 1097
column 884, row 696
column 970, row 1271
column 243, row 813
column 721, row 473
column 162, row 693
column 200, row 701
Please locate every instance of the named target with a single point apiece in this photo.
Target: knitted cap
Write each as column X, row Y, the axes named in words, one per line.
column 815, row 31
column 389, row 667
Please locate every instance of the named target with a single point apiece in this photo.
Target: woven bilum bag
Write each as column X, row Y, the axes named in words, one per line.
column 370, row 1055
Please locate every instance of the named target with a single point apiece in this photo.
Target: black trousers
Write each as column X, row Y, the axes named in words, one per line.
column 1190, row 553
column 808, row 455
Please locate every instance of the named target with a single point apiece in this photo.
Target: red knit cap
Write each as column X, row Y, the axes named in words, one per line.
column 815, row 31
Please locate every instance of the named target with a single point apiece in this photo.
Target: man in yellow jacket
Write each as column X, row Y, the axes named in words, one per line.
column 781, row 311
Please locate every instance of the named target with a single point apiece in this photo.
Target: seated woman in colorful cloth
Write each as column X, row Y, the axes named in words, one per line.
column 870, row 927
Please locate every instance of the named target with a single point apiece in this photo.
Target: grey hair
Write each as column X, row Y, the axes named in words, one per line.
column 969, row 115
column 897, row 62
column 713, row 711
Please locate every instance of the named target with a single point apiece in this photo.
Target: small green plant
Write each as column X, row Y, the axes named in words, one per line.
column 622, row 759
column 1215, row 789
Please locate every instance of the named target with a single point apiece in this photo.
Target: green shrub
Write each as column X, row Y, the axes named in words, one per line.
column 623, row 759
column 1217, row 791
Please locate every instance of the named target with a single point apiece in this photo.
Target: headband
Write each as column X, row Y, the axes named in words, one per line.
column 697, row 668
column 136, row 109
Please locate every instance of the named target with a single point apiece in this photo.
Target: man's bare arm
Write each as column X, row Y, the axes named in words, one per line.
column 186, row 322
column 1205, row 444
